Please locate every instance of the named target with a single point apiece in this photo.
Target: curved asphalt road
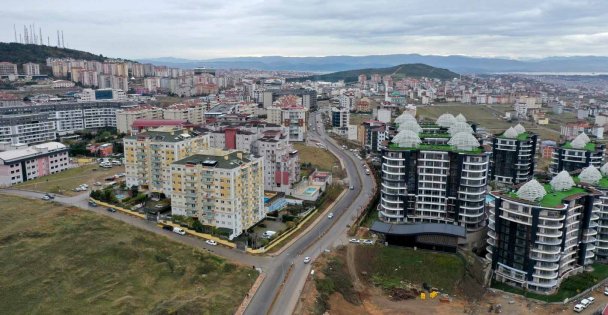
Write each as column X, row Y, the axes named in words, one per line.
column 326, row 234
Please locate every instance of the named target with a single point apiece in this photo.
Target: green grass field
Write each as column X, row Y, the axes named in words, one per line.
column 319, row 158
column 58, row 260
column 391, row 267
column 64, row 182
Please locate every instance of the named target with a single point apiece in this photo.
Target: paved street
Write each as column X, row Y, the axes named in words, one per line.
column 326, row 234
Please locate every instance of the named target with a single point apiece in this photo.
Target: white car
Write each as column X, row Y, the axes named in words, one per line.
column 330, row 215
column 606, row 291
column 585, row 303
column 578, row 308
column 368, row 242
column 352, row 187
column 306, row 259
column 354, row 241
column 211, row 242
column 179, row 231
column 591, row 299
column 45, row 197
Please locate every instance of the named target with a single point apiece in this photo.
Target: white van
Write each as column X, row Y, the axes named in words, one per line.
column 269, row 234
column 179, row 231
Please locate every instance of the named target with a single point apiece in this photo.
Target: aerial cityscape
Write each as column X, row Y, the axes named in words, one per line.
column 393, row 157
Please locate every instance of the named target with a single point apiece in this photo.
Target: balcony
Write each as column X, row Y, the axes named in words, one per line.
column 545, row 249
column 545, row 257
column 546, row 266
column 545, row 274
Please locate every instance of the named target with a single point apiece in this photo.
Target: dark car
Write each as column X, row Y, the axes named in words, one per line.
column 110, row 209
column 167, row 227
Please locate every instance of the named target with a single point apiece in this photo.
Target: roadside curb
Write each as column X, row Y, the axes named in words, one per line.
column 252, row 291
column 313, row 224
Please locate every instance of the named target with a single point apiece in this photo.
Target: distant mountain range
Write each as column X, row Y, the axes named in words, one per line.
column 460, row 64
column 400, row 71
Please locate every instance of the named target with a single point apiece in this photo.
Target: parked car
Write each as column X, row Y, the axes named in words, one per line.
column 368, row 242
column 585, row 303
column 306, row 259
column 591, row 299
column 211, row 242
column 354, row 241
column 606, row 291
column 110, row 209
column 578, row 308
column 268, row 234
column 45, row 197
column 330, row 215
column 167, row 227
column 50, row 196
column 92, row 204
column 179, row 231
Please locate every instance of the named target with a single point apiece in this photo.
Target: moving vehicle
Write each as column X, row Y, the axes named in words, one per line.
column 179, row 231
column 92, row 204
column 50, row 196
column 211, row 242
column 110, row 209
column 352, row 187
column 45, row 197
column 330, row 215
column 578, row 308
column 306, row 259
column 354, row 241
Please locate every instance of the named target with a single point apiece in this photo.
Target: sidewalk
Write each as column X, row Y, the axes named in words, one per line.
column 254, row 288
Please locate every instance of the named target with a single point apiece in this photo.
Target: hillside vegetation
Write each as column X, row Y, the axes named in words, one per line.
column 22, row 53
column 397, row 72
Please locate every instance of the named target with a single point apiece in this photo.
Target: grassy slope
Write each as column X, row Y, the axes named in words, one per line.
column 320, row 158
column 392, row 265
column 56, row 260
column 400, row 71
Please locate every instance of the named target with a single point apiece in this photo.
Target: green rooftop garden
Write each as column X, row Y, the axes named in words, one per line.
column 436, row 147
column 603, row 183
column 522, row 136
column 589, row 147
column 554, row 198
column 434, row 135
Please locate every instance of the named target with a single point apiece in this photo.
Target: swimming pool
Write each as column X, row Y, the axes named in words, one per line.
column 121, row 196
column 489, row 198
column 310, row 190
column 266, row 199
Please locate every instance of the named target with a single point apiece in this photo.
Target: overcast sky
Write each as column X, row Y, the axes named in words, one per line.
column 214, row 28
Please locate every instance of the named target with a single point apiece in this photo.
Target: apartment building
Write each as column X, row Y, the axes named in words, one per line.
column 27, row 163
column 126, row 117
column 432, row 174
column 372, row 133
column 66, row 117
column 271, row 142
column 577, row 154
column 27, row 129
column 8, row 68
column 148, row 155
column 281, row 161
column 31, row 68
column 193, row 113
column 223, row 189
column 543, row 233
column 340, row 117
column 513, row 156
column 598, row 179
column 292, row 117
